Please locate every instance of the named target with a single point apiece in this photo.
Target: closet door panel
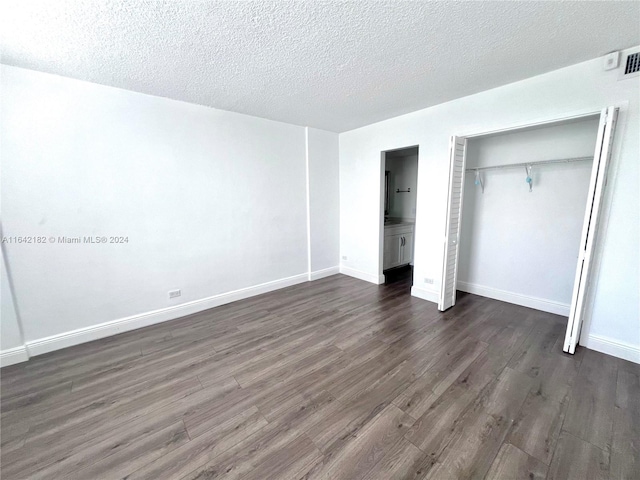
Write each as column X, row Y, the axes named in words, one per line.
column 458, row 149
column 602, row 154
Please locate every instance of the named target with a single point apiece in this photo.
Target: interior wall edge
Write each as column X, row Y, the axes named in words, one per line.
column 542, row 304
column 308, row 196
column 323, row 199
column 613, row 347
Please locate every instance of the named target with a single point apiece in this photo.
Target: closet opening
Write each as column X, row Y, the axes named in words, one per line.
column 522, row 215
column 399, row 181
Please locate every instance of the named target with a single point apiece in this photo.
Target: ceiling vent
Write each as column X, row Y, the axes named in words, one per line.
column 630, row 65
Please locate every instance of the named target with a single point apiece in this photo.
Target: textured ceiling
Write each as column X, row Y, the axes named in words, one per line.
column 335, row 65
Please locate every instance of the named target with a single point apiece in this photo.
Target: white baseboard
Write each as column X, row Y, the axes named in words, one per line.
column 12, row 356
column 613, row 347
column 516, row 298
column 326, row 272
column 367, row 277
column 96, row 332
column 429, row 295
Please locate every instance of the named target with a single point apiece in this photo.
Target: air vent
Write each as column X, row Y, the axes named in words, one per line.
column 633, row 64
column 630, row 65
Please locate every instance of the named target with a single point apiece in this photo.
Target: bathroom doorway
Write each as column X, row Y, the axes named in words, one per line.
column 398, row 212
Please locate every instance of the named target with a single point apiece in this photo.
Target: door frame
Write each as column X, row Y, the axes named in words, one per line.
column 545, row 122
column 383, row 159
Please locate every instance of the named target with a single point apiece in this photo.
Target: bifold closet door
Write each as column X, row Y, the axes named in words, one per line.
column 458, row 151
column 597, row 184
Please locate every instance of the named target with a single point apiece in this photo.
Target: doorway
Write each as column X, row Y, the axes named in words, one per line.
column 399, row 180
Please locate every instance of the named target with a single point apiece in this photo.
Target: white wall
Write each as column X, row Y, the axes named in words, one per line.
column 404, row 174
column 324, row 202
column 212, row 202
column 518, row 245
column 613, row 305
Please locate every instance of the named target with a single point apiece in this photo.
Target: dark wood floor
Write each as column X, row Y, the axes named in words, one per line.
column 335, row 379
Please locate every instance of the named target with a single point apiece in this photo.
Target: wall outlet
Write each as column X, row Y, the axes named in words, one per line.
column 174, row 293
column 428, row 280
column 344, row 257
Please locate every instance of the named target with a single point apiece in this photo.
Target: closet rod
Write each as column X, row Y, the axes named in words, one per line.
column 525, row 164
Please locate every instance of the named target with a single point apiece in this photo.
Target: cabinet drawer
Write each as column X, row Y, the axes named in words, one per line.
column 397, row 230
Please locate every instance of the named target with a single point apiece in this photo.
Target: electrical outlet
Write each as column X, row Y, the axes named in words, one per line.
column 174, row 293
column 344, row 257
column 428, row 280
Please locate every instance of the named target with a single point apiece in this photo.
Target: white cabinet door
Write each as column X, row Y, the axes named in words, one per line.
column 398, row 247
column 407, row 249
column 392, row 251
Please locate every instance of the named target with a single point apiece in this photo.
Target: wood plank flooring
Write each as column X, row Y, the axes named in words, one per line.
column 333, row 379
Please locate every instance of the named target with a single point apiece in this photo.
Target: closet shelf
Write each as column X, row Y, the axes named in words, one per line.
column 526, row 164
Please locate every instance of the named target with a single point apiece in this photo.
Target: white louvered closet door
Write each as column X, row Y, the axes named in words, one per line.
column 597, row 184
column 458, row 160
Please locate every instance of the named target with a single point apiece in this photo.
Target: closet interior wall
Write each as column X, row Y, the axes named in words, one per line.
column 522, row 246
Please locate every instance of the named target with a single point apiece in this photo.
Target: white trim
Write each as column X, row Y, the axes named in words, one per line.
column 613, row 347
column 14, row 355
column 429, row 295
column 516, row 298
column 541, row 123
column 367, row 277
column 326, row 272
column 113, row 327
column 383, row 167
